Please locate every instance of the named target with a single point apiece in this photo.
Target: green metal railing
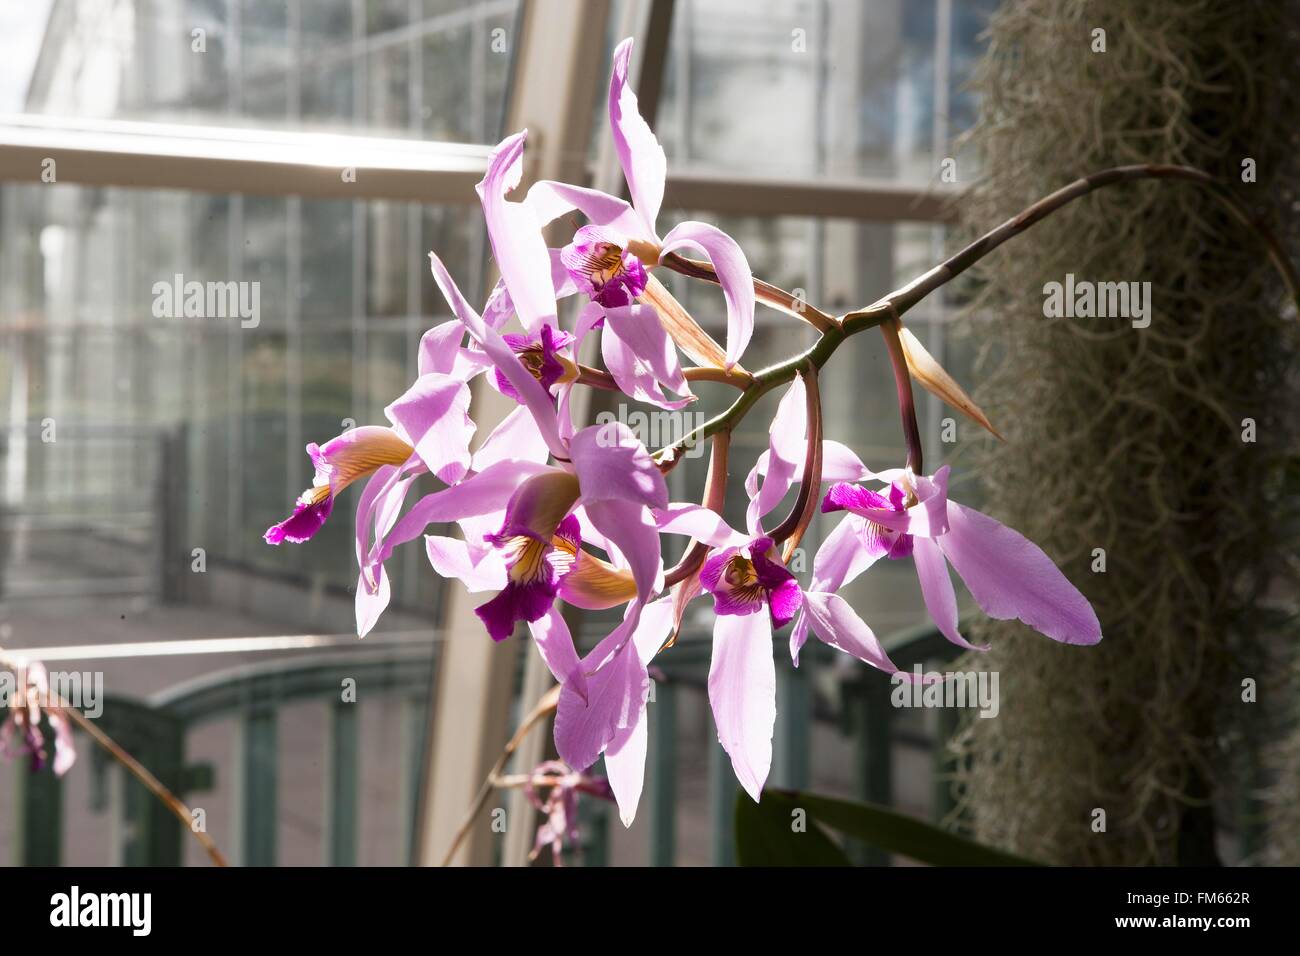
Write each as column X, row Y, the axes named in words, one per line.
column 155, row 732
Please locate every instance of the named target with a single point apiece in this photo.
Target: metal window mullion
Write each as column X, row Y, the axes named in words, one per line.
column 234, row 393
column 293, row 344
column 661, row 770
column 939, row 143
column 343, row 771
column 722, row 803
column 257, row 793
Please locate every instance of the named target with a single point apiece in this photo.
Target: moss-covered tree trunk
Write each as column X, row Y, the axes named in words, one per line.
column 1137, row 440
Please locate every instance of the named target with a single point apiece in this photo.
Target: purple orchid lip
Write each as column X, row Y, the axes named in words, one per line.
column 743, row 583
column 541, row 357
column 309, row 514
column 356, row 453
column 877, row 532
column 535, row 567
column 603, row 268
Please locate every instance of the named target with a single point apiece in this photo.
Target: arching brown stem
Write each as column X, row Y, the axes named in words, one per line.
column 796, row 522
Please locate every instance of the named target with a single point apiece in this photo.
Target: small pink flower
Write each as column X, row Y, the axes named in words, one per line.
column 21, row 733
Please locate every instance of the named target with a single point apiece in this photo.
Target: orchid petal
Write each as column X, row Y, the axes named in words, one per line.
column 550, row 200
column 625, row 755
column 632, row 528
column 594, row 584
column 611, row 463
column 840, row 463
column 433, row 417
column 786, row 444
column 929, row 516
column 591, row 314
column 517, row 243
column 733, row 273
column 530, row 390
column 841, row 557
column 555, row 644
column 645, row 167
column 479, row 494
column 640, row 355
column 616, row 694
column 1010, row 577
column 729, row 600
column 371, row 604
column 516, row 437
column 838, row 625
column 700, row 523
column 625, row 768
column 452, row 558
column 65, row 750
column 438, row 348
column 742, row 692
column 539, row 504
column 379, row 484
column 799, row 634
column 936, row 590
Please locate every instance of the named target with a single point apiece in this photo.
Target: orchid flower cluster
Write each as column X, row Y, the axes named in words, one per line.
column 550, row 513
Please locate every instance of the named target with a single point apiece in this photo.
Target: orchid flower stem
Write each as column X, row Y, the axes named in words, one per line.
column 703, row 373
column 792, row 528
column 517, row 781
column 906, row 401
column 897, row 303
column 543, row 709
column 764, row 381
column 596, row 378
column 141, row 773
column 715, row 495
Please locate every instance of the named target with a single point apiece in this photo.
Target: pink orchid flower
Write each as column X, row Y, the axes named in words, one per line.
column 1007, row 575
column 560, row 806
column 21, row 733
column 780, row 467
column 603, row 478
column 754, row 594
column 608, row 258
column 430, row 432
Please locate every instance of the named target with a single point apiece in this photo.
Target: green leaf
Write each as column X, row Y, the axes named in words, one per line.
column 891, row 831
column 770, row 834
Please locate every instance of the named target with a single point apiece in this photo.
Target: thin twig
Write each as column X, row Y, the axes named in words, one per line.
column 548, row 702
column 142, row 773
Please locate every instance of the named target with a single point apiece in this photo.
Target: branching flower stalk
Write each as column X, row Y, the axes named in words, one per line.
column 893, row 306
column 155, row 786
column 886, row 314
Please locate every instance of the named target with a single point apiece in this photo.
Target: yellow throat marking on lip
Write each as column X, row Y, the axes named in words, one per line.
column 742, row 579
